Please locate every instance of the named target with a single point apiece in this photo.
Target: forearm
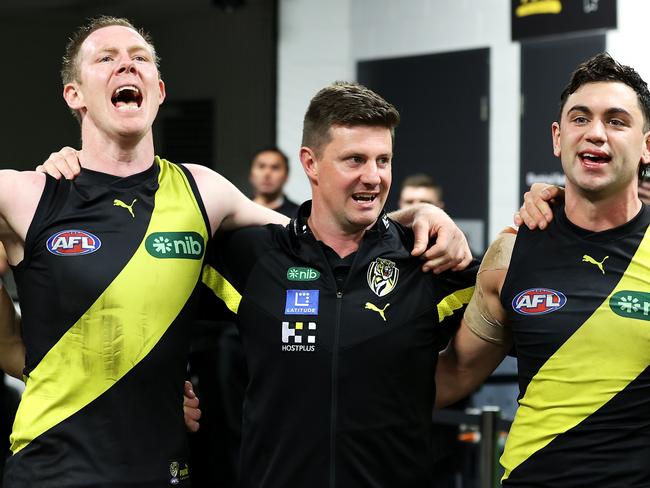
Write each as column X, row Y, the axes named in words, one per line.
column 250, row 213
column 465, row 364
column 12, row 350
column 454, row 381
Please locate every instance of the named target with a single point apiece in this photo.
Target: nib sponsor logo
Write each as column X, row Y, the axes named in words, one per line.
column 73, row 243
column 538, row 301
column 302, row 274
column 178, row 245
column 631, row 304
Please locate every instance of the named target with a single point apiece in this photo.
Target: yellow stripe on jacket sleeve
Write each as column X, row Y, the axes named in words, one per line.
column 221, row 287
column 453, row 302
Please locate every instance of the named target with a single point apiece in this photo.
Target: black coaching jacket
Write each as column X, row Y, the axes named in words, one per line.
column 341, row 383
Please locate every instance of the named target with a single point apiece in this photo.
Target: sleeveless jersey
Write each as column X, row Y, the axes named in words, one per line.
column 578, row 303
column 106, row 287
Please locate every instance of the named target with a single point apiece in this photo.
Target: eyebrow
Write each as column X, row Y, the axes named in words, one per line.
column 130, row 49
column 609, row 111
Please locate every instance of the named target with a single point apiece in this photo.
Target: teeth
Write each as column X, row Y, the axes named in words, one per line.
column 127, row 87
column 364, row 198
column 125, row 108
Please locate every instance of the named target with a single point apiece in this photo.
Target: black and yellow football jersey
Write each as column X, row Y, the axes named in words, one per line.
column 578, row 303
column 106, row 286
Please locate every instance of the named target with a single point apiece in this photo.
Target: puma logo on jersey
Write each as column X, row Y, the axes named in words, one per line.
column 120, row 203
column 599, row 264
column 375, row 308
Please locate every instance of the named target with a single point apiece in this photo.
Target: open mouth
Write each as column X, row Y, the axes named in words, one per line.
column 127, row 97
column 594, row 158
column 364, row 197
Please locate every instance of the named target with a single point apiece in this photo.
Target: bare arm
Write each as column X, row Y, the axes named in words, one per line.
column 483, row 339
column 227, row 207
column 12, row 350
column 450, row 250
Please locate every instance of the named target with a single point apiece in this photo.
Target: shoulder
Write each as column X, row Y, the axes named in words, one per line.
column 403, row 235
column 500, row 251
column 31, row 178
column 19, row 189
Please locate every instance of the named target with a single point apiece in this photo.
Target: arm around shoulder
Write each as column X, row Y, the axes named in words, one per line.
column 483, row 339
column 227, row 207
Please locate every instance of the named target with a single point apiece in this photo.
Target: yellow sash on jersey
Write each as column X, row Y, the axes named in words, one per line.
column 124, row 323
column 598, row 361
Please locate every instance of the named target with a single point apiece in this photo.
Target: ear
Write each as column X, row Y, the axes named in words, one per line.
column 555, row 132
column 73, row 96
column 309, row 163
column 161, row 91
column 645, row 153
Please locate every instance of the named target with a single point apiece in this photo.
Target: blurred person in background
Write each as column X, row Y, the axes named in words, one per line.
column 420, row 188
column 269, row 173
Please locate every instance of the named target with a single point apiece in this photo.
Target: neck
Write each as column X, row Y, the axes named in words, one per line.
column 117, row 156
column 271, row 201
column 329, row 231
column 599, row 214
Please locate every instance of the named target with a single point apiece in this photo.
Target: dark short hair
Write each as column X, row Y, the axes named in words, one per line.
column 346, row 104
column 275, row 149
column 602, row 67
column 70, row 63
column 420, row 180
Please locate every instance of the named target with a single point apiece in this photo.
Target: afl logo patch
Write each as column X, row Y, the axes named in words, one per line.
column 538, row 301
column 73, row 243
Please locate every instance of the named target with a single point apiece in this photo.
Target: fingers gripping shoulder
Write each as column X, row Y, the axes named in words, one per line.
column 485, row 315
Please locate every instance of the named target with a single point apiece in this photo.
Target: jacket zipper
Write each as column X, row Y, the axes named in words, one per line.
column 334, row 405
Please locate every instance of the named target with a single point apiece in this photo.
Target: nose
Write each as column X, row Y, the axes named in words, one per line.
column 596, row 132
column 126, row 66
column 370, row 174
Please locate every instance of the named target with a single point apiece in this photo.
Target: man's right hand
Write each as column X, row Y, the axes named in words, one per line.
column 191, row 411
column 63, row 163
column 536, row 210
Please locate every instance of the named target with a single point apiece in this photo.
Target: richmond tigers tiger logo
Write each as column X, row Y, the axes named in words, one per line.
column 382, row 276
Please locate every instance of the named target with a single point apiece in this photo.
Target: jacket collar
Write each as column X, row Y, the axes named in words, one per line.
column 300, row 227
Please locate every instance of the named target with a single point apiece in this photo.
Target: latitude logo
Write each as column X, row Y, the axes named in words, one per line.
column 631, row 304
column 175, row 245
